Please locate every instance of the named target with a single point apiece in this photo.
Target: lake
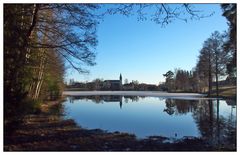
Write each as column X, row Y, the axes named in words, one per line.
column 214, row 120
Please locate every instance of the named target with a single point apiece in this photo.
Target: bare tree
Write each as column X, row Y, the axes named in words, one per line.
column 161, row 13
column 212, row 60
column 68, row 30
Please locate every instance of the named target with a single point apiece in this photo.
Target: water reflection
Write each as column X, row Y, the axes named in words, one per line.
column 212, row 120
column 219, row 129
column 180, row 107
column 216, row 126
column 107, row 98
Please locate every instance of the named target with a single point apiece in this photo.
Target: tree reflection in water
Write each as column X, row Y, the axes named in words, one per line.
column 106, row 98
column 180, row 107
column 219, row 130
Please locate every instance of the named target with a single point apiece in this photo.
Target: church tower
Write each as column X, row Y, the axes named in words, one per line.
column 120, row 79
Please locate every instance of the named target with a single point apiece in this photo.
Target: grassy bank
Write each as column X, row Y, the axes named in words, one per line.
column 228, row 92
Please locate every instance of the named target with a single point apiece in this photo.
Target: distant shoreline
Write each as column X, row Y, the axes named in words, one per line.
column 193, row 96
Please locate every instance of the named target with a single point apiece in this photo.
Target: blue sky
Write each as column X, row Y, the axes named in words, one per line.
column 143, row 50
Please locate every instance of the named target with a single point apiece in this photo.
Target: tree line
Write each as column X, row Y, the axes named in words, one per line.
column 216, row 60
column 100, row 84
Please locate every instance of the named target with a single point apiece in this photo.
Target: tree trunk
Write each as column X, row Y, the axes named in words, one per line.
column 28, row 51
column 209, row 75
column 40, row 75
column 218, row 123
column 30, row 30
column 40, row 83
column 216, row 74
column 34, row 20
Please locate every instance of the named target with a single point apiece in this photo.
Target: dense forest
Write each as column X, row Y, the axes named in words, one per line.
column 42, row 40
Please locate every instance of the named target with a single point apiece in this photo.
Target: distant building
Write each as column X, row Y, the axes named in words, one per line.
column 113, row 84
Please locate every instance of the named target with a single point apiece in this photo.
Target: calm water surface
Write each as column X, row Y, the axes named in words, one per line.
column 148, row 116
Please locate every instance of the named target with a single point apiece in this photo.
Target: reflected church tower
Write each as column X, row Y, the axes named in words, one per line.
column 120, row 101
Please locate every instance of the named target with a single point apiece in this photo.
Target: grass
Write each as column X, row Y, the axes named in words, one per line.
column 76, row 89
column 226, row 92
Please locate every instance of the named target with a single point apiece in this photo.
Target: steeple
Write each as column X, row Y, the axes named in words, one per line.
column 120, row 78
